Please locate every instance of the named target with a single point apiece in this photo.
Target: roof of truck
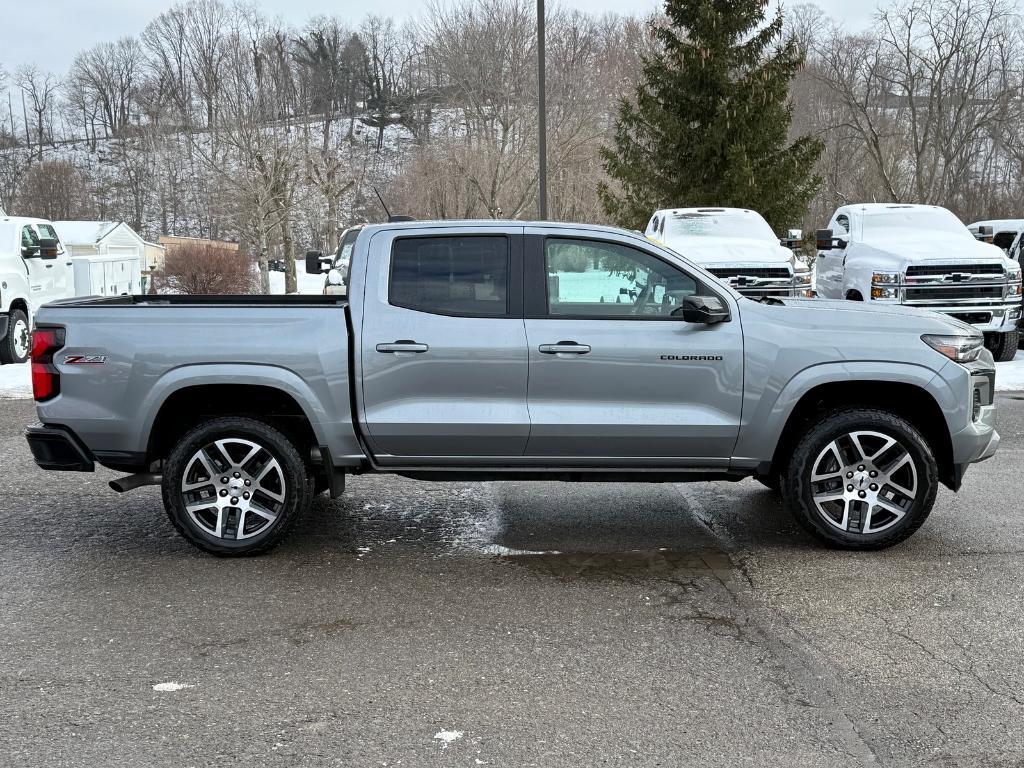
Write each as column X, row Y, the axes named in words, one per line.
column 487, row 223
column 1000, row 225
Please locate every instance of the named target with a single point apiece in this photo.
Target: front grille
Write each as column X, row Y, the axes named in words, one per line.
column 955, row 292
column 757, row 293
column 932, row 270
column 769, row 272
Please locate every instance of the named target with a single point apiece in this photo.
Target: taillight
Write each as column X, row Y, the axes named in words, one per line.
column 45, row 377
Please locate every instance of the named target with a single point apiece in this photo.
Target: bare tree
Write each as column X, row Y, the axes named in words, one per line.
column 40, row 88
column 108, row 76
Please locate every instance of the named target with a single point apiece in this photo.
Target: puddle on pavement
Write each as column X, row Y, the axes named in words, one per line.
column 659, row 564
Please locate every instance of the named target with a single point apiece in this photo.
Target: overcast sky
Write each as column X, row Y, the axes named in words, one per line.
column 50, row 32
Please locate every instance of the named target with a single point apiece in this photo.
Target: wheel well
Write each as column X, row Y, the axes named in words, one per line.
column 854, row 296
column 22, row 305
column 187, row 407
column 915, row 405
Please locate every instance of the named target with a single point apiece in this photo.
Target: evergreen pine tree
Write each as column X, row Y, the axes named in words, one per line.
column 710, row 121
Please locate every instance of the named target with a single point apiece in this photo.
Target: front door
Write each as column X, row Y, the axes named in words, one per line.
column 613, row 374
column 48, row 279
column 443, row 347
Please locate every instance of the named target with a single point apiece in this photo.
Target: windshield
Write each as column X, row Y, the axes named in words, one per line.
column 345, row 248
column 713, row 223
column 911, row 222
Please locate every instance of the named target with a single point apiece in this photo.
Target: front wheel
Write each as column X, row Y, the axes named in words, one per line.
column 1003, row 346
column 235, row 486
column 862, row 479
column 17, row 344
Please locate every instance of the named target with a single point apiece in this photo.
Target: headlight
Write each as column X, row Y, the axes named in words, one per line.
column 885, row 278
column 1013, row 288
column 802, row 279
column 960, row 349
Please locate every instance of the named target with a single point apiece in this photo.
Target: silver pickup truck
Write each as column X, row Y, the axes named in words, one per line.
column 504, row 350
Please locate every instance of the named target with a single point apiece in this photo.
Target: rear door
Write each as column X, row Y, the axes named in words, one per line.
column 614, row 377
column 443, row 346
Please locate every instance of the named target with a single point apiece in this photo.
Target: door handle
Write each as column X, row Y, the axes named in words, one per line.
column 564, row 348
column 49, row 266
column 402, row 345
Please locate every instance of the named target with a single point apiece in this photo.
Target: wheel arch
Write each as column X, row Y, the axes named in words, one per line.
column 916, row 404
column 191, row 396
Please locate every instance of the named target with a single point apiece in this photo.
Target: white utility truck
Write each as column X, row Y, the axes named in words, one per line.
column 921, row 256
column 735, row 245
column 34, row 269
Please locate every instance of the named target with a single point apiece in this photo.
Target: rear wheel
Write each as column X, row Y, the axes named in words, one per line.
column 1003, row 346
column 862, row 479
column 17, row 344
column 235, row 486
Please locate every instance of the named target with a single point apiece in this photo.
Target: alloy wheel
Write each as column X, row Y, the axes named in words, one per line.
column 233, row 488
column 863, row 482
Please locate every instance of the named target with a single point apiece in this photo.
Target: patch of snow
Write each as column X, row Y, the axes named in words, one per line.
column 171, row 687
column 1010, row 376
column 307, row 284
column 16, row 381
column 447, row 737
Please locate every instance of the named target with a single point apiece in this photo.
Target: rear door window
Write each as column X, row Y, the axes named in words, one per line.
column 463, row 276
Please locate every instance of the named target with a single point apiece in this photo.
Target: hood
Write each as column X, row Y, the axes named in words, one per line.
column 934, row 248
column 879, row 312
column 727, row 251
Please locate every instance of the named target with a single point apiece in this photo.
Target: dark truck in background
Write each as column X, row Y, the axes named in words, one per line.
column 509, row 350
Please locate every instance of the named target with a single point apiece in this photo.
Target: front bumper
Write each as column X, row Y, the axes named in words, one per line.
column 979, row 440
column 58, row 448
column 990, row 319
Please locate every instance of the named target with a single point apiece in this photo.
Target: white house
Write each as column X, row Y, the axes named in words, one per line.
column 108, row 256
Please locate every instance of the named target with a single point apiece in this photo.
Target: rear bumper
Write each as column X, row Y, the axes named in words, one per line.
column 58, row 448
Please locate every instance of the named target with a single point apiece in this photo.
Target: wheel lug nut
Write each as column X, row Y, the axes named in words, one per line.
column 223, row 479
column 873, row 473
column 248, row 482
column 861, row 494
column 849, row 475
column 234, row 499
column 238, row 475
column 223, row 492
column 860, row 468
column 849, row 488
column 245, row 495
column 874, row 487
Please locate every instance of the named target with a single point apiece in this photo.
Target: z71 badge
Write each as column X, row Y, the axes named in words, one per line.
column 85, row 359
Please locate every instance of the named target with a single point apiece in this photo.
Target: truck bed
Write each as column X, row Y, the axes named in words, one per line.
column 213, row 300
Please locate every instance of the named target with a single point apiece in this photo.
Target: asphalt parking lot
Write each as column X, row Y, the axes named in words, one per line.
column 509, row 624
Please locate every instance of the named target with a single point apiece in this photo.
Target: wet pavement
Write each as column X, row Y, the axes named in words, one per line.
column 509, row 624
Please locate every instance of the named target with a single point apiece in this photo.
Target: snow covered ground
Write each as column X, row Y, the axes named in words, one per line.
column 15, row 381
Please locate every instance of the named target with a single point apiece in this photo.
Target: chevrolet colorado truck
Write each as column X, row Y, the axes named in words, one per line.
column 921, row 256
column 735, row 245
column 511, row 350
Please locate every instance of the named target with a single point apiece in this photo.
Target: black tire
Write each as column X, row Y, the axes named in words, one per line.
column 1003, row 346
column 297, row 490
column 17, row 324
column 797, row 484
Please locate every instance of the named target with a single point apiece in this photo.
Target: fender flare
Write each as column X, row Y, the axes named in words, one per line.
column 763, row 427
column 251, row 374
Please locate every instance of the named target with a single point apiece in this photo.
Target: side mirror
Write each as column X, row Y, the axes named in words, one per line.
column 47, row 248
column 623, row 292
column 824, row 240
column 707, row 310
column 313, row 266
column 334, row 277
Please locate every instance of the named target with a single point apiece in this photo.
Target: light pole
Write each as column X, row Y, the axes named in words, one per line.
column 542, row 120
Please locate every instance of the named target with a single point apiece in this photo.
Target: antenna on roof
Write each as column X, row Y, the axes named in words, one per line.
column 391, row 218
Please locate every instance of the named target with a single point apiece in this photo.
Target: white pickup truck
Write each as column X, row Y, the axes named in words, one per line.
column 921, row 256
column 34, row 269
column 735, row 245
